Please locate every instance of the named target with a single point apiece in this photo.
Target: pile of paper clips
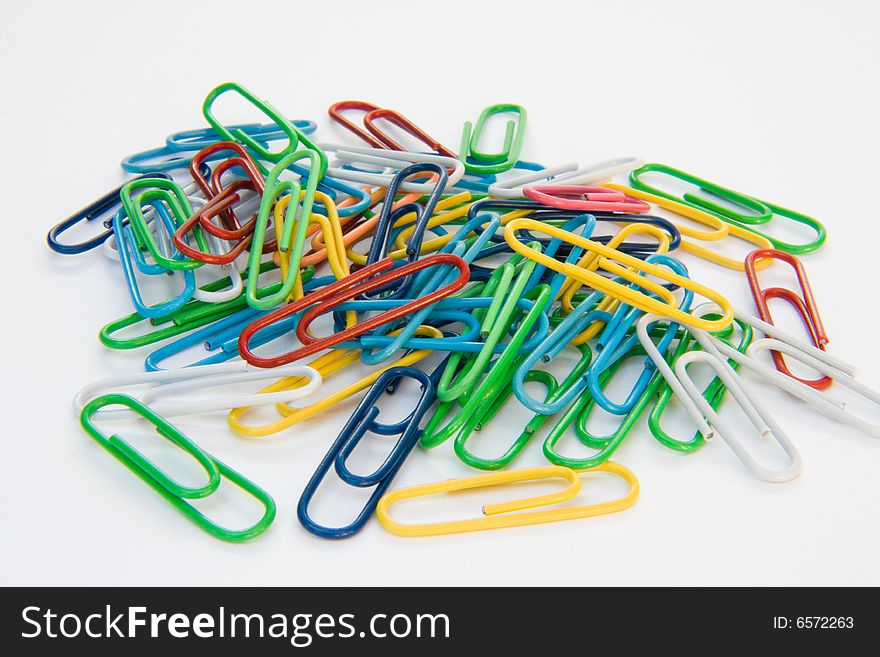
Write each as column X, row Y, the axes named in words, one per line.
column 483, row 259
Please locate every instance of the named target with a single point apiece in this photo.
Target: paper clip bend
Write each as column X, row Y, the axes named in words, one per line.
column 805, row 305
column 175, row 493
column 503, row 515
column 364, row 420
column 762, row 420
column 336, row 113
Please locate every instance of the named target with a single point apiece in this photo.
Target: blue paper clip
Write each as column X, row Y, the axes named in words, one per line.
column 196, row 140
column 365, row 420
column 616, row 341
column 130, row 256
column 426, row 282
column 180, row 147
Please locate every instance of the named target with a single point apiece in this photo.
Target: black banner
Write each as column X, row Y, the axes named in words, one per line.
column 433, row 621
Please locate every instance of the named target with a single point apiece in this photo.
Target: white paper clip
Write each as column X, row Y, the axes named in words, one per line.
column 564, row 174
column 387, row 159
column 167, row 394
column 708, row 421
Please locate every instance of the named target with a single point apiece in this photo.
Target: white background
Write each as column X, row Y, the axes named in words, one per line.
column 778, row 100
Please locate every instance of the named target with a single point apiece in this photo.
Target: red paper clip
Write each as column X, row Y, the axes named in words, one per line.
column 329, row 297
column 336, row 109
column 396, row 118
column 805, row 305
column 202, row 218
column 587, row 199
column 241, row 160
column 378, row 138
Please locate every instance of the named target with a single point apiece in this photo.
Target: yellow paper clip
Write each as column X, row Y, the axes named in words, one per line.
column 721, row 230
column 504, row 514
column 331, row 230
column 628, row 268
column 590, row 261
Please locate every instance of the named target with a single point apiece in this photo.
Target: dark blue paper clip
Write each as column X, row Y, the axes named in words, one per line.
column 365, row 420
column 387, row 217
column 104, row 205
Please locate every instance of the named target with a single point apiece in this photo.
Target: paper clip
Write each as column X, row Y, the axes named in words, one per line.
column 174, row 492
column 383, row 158
column 276, row 188
column 501, row 515
column 714, row 393
column 378, row 138
column 326, row 365
column 168, row 192
column 564, row 174
column 367, row 419
column 166, row 392
column 578, row 414
column 326, row 298
column 475, row 160
column 105, row 205
column 626, row 267
column 843, row 373
column 708, row 421
column 295, row 137
column 756, row 211
column 720, row 229
column 585, row 199
column 805, row 305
